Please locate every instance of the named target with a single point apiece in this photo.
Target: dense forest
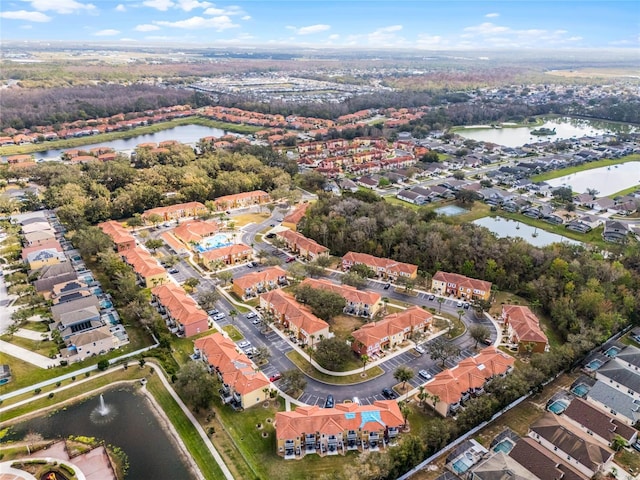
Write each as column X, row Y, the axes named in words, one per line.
column 579, row 289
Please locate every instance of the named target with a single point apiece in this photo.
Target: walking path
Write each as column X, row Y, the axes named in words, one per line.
column 27, row 355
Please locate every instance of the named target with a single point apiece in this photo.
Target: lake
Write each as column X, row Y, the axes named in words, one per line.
column 504, row 227
column 134, row 428
column 606, row 180
column 566, row 127
column 183, row 134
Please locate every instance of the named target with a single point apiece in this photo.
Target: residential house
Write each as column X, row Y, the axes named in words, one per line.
column 383, row 267
column 619, row 404
column 581, row 451
column 43, row 257
column 617, row 374
column 36, row 225
column 536, row 458
column 301, row 245
column 241, row 200
column 462, row 287
column 331, row 431
column 174, row 212
column 120, row 236
column 50, row 244
column 346, row 184
column 584, row 224
column 298, row 319
column 88, row 343
column 194, row 231
column 38, row 238
column 69, row 291
column 604, row 204
column 229, row 255
column 51, row 275
column 412, row 197
column 148, row 271
column 523, row 329
column 359, row 302
column 598, row 424
column 183, row 315
column 80, row 303
column 367, row 182
column 75, row 321
column 255, row 283
column 243, row 385
column 456, row 385
column 501, row 467
column 292, row 220
column 372, row 338
column 615, row 231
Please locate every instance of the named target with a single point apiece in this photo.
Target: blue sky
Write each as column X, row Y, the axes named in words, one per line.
column 424, row 24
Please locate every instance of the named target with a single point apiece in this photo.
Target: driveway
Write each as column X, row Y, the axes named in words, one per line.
column 26, row 355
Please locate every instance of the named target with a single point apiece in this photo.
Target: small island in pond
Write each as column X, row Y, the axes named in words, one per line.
column 543, row 131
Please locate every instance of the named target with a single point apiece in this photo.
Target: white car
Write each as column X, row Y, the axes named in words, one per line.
column 420, row 349
column 250, row 315
column 424, row 374
column 219, row 316
column 459, row 304
column 244, row 343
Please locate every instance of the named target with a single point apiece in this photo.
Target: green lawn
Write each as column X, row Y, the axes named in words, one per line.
column 303, row 364
column 43, row 347
column 233, row 333
column 543, row 177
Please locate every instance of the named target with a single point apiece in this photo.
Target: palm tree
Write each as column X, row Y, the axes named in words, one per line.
column 233, row 313
column 422, row 395
column 403, row 374
column 364, row 359
column 405, row 411
column 440, row 300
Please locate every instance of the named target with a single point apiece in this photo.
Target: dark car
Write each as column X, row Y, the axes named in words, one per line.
column 466, row 305
column 388, row 393
column 432, row 297
column 271, row 235
column 487, row 341
column 330, row 402
column 387, row 286
column 291, row 259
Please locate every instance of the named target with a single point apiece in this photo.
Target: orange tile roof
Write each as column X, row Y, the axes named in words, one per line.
column 302, row 242
column 236, row 369
column 228, row 251
column 195, row 230
column 461, row 280
column 47, row 244
column 525, row 324
column 374, row 332
column 241, row 196
column 174, row 208
column 175, row 245
column 295, row 216
column 294, row 313
column 380, row 263
column 267, row 275
column 180, row 306
column 343, row 417
column 142, row 262
column 471, row 372
column 116, row 232
column 349, row 293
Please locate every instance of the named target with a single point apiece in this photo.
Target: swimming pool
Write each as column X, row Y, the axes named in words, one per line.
column 594, row 364
column 461, row 465
column 450, row 211
column 558, row 407
column 106, row 304
column 612, row 352
column 215, row 241
column 504, row 446
column 580, row 390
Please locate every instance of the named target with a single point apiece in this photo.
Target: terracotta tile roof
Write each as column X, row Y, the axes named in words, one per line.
column 194, row 231
column 349, row 293
column 298, row 315
column 302, row 242
column 175, row 245
column 236, row 369
column 461, row 280
column 377, row 263
column 295, row 216
column 162, row 211
column 257, row 194
column 142, row 262
column 373, row 332
column 47, row 244
column 116, row 232
column 180, row 306
column 230, row 250
column 343, row 417
column 471, row 372
column 271, row 274
column 597, row 421
column 525, row 324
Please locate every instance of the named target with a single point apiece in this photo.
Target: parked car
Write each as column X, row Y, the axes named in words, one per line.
column 388, row 393
column 420, row 349
column 254, row 263
column 459, row 304
column 250, row 315
column 487, row 341
column 387, row 286
column 356, row 400
column 636, row 446
column 279, row 219
column 466, row 305
column 244, row 343
column 291, row 259
column 249, row 265
column 256, row 320
column 275, row 376
column 330, row 402
column 432, row 297
column 219, row 316
column 270, row 235
column 424, row 374
column 173, row 270
column 213, row 312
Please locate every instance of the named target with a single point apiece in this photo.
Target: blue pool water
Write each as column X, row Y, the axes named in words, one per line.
column 106, row 304
column 504, row 446
column 612, row 352
column 450, row 211
column 594, row 364
column 580, row 390
column 97, row 291
column 461, row 466
column 216, row 241
column 558, row 407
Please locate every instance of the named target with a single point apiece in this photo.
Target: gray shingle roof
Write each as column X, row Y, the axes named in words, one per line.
column 616, row 400
column 615, row 371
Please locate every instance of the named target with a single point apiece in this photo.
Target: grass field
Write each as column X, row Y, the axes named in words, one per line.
column 303, row 364
column 587, row 166
column 233, row 333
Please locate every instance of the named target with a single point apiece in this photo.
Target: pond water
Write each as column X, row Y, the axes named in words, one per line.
column 134, row 428
column 566, row 127
column 504, row 227
column 606, row 180
column 183, row 134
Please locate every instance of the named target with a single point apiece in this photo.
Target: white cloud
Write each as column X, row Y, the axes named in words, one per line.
column 121, row 8
column 311, row 29
column 492, row 15
column 219, row 24
column 231, row 10
column 109, row 32
column 430, row 41
column 24, row 15
column 246, row 17
column 162, row 5
column 128, row 40
column 188, row 5
column 486, row 28
column 385, row 36
column 335, row 36
column 60, row 6
column 146, row 27
column 490, row 35
column 27, row 26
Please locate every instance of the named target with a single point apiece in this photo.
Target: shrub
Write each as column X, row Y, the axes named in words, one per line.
column 103, row 365
column 73, row 378
column 58, row 384
column 37, row 391
column 67, row 469
column 51, row 395
column 87, row 374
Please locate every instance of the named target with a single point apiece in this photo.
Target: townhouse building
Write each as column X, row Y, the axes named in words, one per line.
column 383, row 267
column 148, row 271
column 227, row 255
column 292, row 219
column 255, row 283
column 241, row 200
column 174, row 212
column 194, row 231
column 332, row 431
column 119, row 235
column 181, row 313
column 461, row 286
column 243, row 385
column 523, row 329
column 358, row 302
column 301, row 245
